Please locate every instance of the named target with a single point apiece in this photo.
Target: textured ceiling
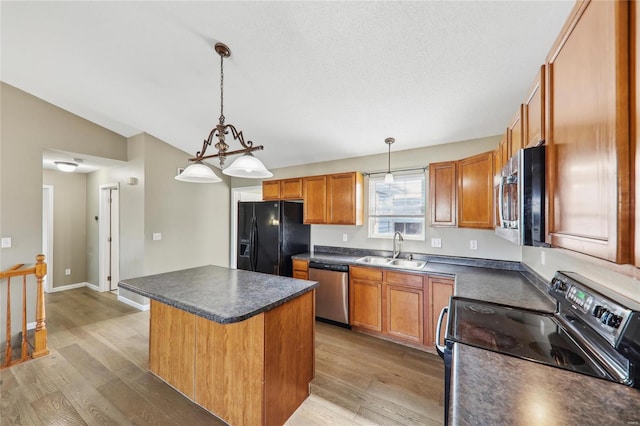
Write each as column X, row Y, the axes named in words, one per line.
column 311, row 81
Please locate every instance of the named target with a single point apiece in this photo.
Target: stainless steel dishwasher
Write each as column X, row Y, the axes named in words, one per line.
column 332, row 293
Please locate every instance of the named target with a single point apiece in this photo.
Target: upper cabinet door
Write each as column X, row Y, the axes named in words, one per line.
column 533, row 112
column 344, row 199
column 270, row 190
column 291, row 189
column 588, row 133
column 505, row 150
column 514, row 133
column 315, row 199
column 442, row 193
column 475, row 191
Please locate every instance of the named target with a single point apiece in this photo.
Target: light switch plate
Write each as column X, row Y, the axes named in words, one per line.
column 473, row 244
column 157, row 236
column 6, row 242
column 67, row 271
column 436, row 242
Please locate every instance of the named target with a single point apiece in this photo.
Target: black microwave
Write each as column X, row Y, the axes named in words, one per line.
column 520, row 198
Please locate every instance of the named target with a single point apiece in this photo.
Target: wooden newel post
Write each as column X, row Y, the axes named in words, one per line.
column 41, row 348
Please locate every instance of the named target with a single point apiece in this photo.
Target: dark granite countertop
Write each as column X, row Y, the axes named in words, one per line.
column 219, row 294
column 507, row 283
column 488, row 388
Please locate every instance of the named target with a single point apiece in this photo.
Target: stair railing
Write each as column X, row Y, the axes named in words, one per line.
column 40, row 334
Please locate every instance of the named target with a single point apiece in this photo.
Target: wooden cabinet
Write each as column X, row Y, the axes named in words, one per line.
column 587, row 130
column 403, row 316
column 345, row 199
column 505, row 150
column 401, row 306
column 283, row 189
column 514, row 133
column 365, row 298
column 314, row 192
column 440, row 290
column 475, row 191
column 270, row 190
column 335, row 199
column 442, row 193
column 461, row 192
column 533, row 112
column 300, row 269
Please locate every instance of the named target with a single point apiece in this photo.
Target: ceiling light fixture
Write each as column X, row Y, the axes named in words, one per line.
column 247, row 166
column 65, row 166
column 388, row 178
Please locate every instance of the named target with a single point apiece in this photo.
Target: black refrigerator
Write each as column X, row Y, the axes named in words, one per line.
column 269, row 233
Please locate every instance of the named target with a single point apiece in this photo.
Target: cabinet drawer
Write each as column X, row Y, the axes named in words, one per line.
column 369, row 274
column 301, row 275
column 404, row 279
column 300, row 265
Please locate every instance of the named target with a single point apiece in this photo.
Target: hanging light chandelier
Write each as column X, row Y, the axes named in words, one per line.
column 246, row 166
column 388, row 178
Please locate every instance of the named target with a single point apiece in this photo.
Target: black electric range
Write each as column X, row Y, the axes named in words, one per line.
column 593, row 331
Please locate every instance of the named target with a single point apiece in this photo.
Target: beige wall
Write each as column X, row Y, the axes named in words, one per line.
column 30, row 125
column 455, row 241
column 69, row 227
column 192, row 218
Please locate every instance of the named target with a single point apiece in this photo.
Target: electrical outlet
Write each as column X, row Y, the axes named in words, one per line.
column 345, row 237
column 473, row 244
column 67, row 271
column 6, row 242
column 436, row 242
column 157, row 236
column 543, row 258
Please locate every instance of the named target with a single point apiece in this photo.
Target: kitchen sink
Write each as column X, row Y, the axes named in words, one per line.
column 397, row 263
column 373, row 260
column 405, row 263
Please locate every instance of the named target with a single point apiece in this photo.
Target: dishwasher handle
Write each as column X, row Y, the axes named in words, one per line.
column 440, row 348
column 329, row 266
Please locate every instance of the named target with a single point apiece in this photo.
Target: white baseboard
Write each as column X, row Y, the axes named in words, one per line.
column 68, row 287
column 31, row 325
column 136, row 305
column 92, row 286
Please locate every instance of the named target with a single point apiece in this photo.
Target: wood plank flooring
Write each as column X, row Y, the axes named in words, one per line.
column 97, row 374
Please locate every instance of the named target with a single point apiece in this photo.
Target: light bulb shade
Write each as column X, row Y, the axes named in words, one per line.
column 247, row 166
column 198, row 173
column 388, row 178
column 65, row 166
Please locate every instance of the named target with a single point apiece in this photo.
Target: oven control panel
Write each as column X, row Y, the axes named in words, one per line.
column 599, row 312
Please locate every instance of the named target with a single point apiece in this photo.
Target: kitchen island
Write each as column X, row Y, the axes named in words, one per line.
column 238, row 343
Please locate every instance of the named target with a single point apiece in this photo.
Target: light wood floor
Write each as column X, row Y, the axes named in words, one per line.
column 97, row 374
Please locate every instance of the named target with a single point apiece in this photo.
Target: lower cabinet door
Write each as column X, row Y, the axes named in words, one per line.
column 405, row 313
column 441, row 290
column 366, row 304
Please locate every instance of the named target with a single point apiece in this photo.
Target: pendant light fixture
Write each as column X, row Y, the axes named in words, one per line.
column 388, row 178
column 246, row 166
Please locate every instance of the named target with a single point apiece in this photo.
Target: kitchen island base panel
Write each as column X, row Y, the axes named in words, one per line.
column 254, row 372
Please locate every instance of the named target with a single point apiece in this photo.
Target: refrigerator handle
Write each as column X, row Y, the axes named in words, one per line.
column 251, row 244
column 254, row 245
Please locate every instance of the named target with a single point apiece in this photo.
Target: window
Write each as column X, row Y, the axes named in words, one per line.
column 397, row 206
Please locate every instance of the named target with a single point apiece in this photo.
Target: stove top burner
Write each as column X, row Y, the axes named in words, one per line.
column 479, row 309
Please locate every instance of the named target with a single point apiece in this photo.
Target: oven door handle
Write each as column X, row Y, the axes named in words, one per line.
column 440, row 348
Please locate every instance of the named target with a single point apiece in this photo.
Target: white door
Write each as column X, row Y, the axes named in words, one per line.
column 47, row 234
column 109, row 237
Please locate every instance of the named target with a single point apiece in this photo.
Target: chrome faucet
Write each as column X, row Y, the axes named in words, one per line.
column 397, row 243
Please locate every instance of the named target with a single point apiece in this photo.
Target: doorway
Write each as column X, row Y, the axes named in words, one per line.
column 47, row 234
column 109, row 237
